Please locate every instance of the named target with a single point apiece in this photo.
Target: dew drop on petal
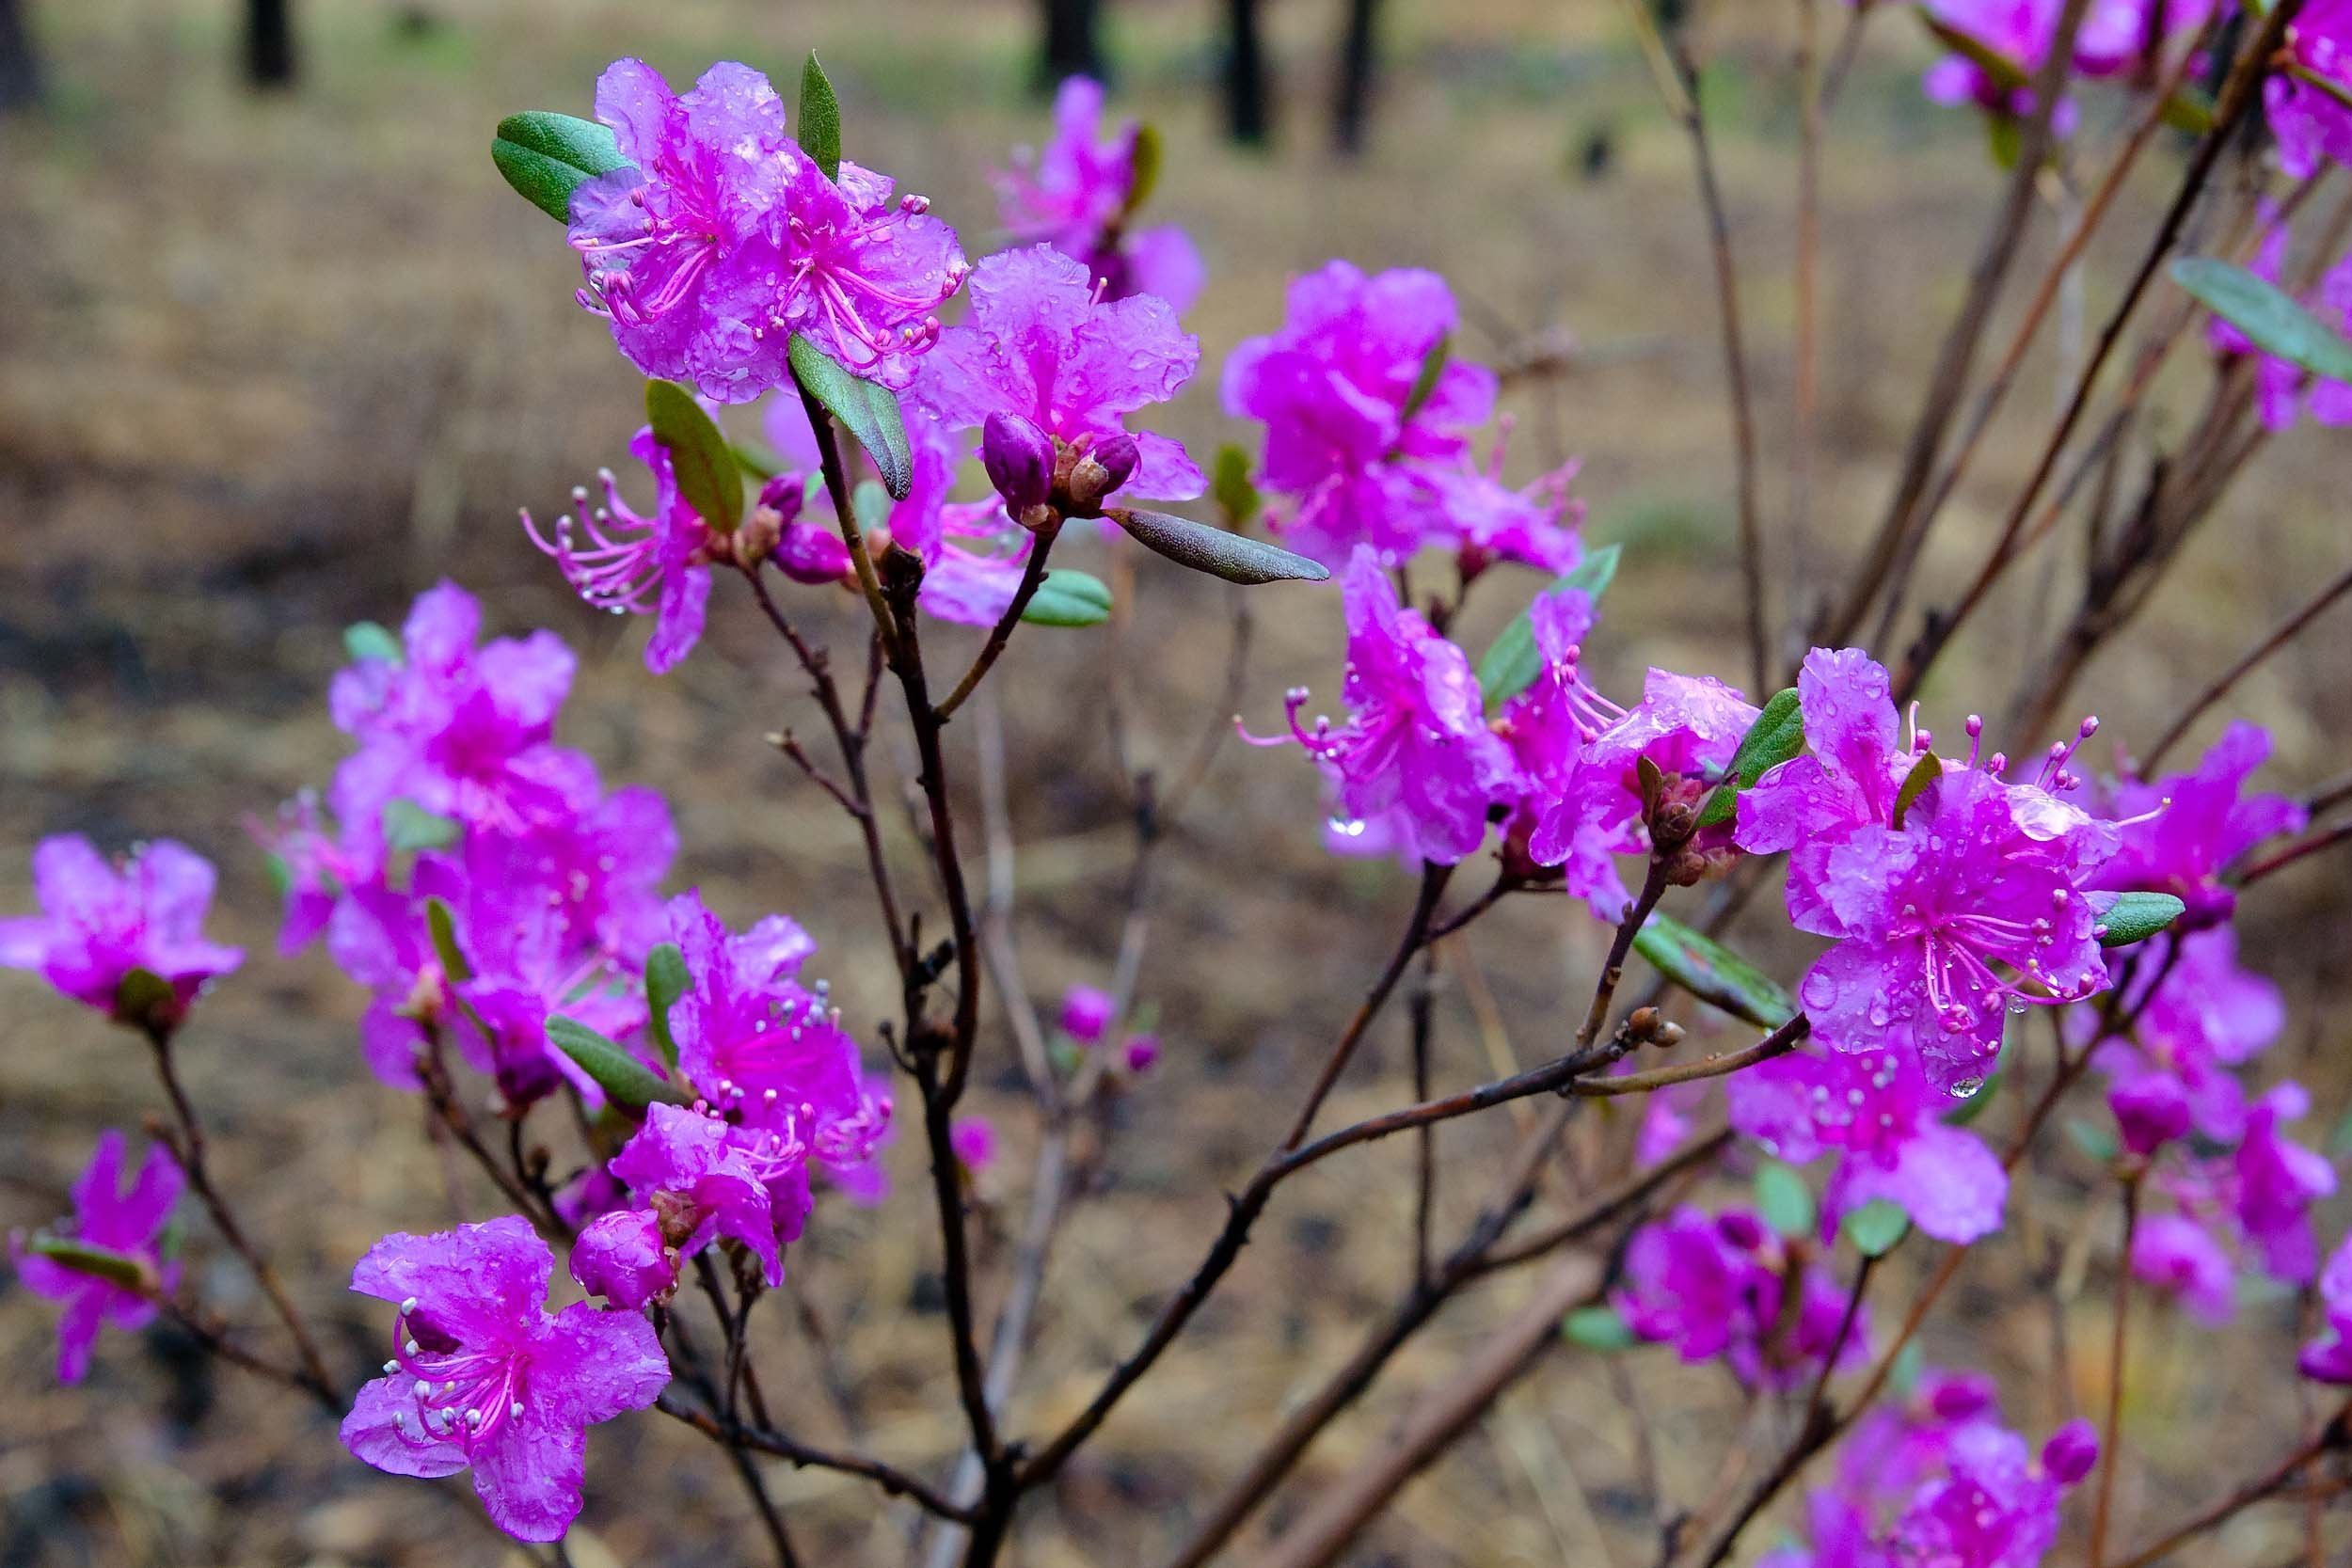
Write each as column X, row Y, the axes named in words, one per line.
column 1967, row 1088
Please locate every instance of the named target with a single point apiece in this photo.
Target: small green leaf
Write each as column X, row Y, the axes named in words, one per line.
column 1784, row 1199
column 142, row 996
column 869, row 412
column 1513, row 661
column 626, row 1080
column 1234, row 557
column 709, row 478
column 548, row 156
column 1777, row 734
column 365, row 639
column 1924, row 772
column 1236, row 497
column 1599, row 1329
column 2135, row 917
column 1432, row 368
column 115, row 1268
column 410, row 828
column 1875, row 1227
column 2190, row 109
column 1909, row 1362
column 666, row 980
column 819, row 128
column 2095, row 1141
column 2275, row 321
column 1143, row 159
column 1069, row 599
column 1712, row 972
column 443, row 928
column 870, row 504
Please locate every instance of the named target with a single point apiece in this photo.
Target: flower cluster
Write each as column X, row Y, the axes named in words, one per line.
column 1716, row 1288
column 131, row 1225
column 103, row 923
column 2116, row 38
column 1080, row 192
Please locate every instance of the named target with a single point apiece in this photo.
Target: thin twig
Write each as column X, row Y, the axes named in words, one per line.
column 2111, row 1432
column 895, row 1481
column 2286, row 632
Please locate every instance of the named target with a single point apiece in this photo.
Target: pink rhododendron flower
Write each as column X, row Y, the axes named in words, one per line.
column 1041, row 347
column 1074, row 193
column 2179, row 834
column 2278, row 1181
column 1712, row 1286
column 1365, row 463
column 483, row 1376
column 721, row 238
column 1087, row 1011
column 2178, row 1254
column 105, row 1215
column 765, row 1052
column 2205, row 1017
column 705, row 1179
column 2311, row 122
column 2328, row 1359
column 2113, row 37
column 1878, row 1113
column 1416, row 746
column 1574, row 807
column 623, row 1255
column 99, row 921
column 656, row 566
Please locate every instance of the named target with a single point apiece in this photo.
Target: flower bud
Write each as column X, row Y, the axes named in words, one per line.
column 783, row 496
column 622, row 1256
column 1143, row 1052
column 813, row 554
column 1100, row 470
column 2071, row 1452
column 2150, row 1110
column 1019, row 457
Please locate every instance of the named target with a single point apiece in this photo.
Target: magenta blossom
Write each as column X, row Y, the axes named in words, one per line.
column 132, row 1223
column 483, row 1376
column 656, row 566
column 2178, row 834
column 2113, row 37
column 1416, row 742
column 2328, row 1359
column 2180, row 1255
column 1076, row 194
column 623, row 1256
column 456, row 731
column 974, row 555
column 1715, row 1287
column 1366, row 462
column 721, row 238
column 2310, row 117
column 705, row 1179
column 1041, row 348
column 2278, row 1181
column 765, row 1052
column 99, row 922
column 1086, row 1013
column 1574, row 812
column 2205, row 1017
column 973, row 1140
column 1877, row 1111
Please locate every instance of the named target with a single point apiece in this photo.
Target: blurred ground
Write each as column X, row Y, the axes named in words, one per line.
column 267, row 367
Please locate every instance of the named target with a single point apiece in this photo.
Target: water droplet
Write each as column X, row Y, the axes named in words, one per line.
column 1347, row 827
column 1967, row 1088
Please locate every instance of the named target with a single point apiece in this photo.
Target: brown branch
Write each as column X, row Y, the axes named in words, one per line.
column 1001, row 633
column 895, row 1481
column 2332, row 1437
column 1432, row 880
column 2286, row 632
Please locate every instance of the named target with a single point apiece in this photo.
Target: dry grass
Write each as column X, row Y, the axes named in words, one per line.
column 267, row 367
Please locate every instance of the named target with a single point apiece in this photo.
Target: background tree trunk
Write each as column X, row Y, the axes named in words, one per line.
column 1071, row 46
column 269, row 46
column 19, row 68
column 1358, row 49
column 1249, row 106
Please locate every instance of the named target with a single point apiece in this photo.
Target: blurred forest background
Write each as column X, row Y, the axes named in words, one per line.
column 273, row 358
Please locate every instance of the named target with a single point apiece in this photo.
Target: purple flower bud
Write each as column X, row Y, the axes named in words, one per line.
column 1959, row 1395
column 2071, row 1452
column 2152, row 1109
column 1019, row 457
column 1143, row 1052
column 974, row 1140
column 1100, row 470
column 1740, row 1229
column 622, row 1256
column 783, row 496
column 813, row 554
column 1086, row 1013
column 1118, row 455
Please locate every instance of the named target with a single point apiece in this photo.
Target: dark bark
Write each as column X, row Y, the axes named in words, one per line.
column 20, row 66
column 1071, row 45
column 269, row 45
column 1359, row 51
column 1248, row 103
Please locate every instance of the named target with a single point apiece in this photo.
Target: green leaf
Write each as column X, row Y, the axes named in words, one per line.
column 870, row 504
column 365, row 639
column 1513, row 661
column 819, row 131
column 115, row 1268
column 1143, row 158
column 1713, row 972
column 2270, row 317
column 709, row 478
column 867, row 411
column 1234, row 557
column 1069, row 599
column 1432, row 367
column 666, row 980
column 548, row 156
column 2190, row 109
column 408, row 828
column 443, row 928
column 1236, row 497
column 1875, row 1227
column 1599, row 1329
column 626, row 1080
column 1777, row 734
column 2004, row 72
column 1909, row 1362
column 2095, row 1140
column 1924, row 772
column 1784, row 1199
column 2135, row 917
column 142, row 996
